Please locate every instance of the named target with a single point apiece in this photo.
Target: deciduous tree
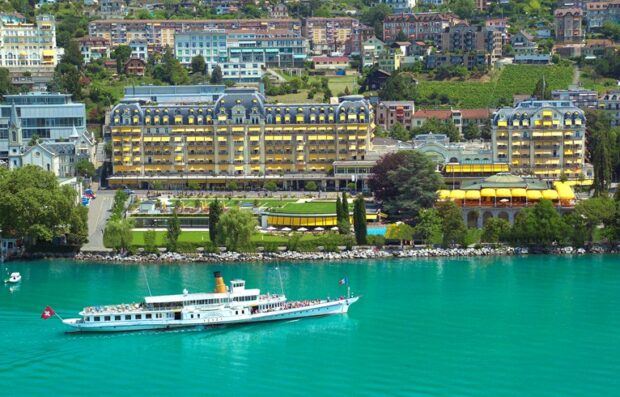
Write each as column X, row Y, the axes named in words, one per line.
column 405, row 182
column 236, row 228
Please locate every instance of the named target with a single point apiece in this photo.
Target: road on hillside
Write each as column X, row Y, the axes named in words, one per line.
column 98, row 214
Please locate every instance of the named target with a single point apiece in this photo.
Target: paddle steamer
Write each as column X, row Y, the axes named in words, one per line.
column 226, row 306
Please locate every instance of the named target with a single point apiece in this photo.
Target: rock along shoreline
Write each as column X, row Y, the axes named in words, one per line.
column 358, row 253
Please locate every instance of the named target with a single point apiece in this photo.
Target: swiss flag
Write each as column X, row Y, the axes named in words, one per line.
column 47, row 313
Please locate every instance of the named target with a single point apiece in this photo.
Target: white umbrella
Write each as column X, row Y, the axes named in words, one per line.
column 271, row 228
column 302, row 229
column 258, row 227
column 504, row 200
column 334, row 228
column 286, row 229
column 318, row 229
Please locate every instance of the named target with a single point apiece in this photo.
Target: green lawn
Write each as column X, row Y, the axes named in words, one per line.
column 200, row 237
column 191, row 203
column 313, row 207
column 512, row 79
column 336, row 84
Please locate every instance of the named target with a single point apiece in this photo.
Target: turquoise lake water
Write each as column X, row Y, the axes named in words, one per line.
column 534, row 326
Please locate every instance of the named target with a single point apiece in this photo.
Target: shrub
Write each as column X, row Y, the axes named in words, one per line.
column 211, row 248
column 378, row 241
column 270, row 247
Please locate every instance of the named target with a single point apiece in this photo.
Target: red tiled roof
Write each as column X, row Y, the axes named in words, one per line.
column 433, row 114
column 477, row 114
column 330, row 59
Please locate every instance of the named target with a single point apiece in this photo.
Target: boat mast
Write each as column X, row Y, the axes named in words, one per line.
column 280, row 277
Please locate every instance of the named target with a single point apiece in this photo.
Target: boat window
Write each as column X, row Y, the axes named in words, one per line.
column 148, row 316
column 127, row 317
column 117, row 318
column 107, row 318
column 97, row 318
column 138, row 316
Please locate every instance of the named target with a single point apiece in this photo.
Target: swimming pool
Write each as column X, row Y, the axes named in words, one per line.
column 377, row 230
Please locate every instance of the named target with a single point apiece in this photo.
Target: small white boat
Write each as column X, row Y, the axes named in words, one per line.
column 14, row 278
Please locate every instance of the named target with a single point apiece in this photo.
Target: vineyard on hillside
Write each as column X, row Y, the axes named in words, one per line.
column 510, row 80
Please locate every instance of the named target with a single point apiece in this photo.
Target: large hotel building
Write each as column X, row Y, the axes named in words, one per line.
column 546, row 138
column 239, row 138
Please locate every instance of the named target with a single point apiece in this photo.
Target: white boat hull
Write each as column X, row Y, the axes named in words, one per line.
column 316, row 310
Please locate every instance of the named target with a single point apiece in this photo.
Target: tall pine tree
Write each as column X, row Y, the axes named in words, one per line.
column 344, row 224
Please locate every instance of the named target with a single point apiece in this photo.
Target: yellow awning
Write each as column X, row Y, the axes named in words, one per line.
column 443, row 194
column 534, row 195
column 472, row 195
column 550, row 194
column 503, row 192
column 487, row 192
column 566, row 194
column 519, row 192
column 49, row 53
column 457, row 195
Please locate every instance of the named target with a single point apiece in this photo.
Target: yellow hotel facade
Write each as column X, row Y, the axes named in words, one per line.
column 238, row 138
column 543, row 138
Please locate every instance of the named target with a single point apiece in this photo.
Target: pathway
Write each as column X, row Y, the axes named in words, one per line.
column 98, row 214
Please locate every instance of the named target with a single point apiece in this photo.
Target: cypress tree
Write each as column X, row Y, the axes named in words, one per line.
column 345, row 207
column 359, row 220
column 338, row 210
column 215, row 211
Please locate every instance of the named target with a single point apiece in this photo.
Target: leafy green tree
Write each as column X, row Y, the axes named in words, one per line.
column 199, row 65
column 400, row 86
column 359, row 220
column 216, row 208
column 437, row 126
column 33, row 206
column 73, row 55
column 495, row 230
column 121, row 54
column 428, row 228
column 452, row 224
column 463, row 8
column 311, row 186
column 85, row 168
column 150, row 237
column 34, row 140
column 398, row 131
column 542, row 89
column 472, row 131
column 405, row 182
column 539, row 226
column 399, row 231
column 118, row 235
column 272, row 186
column 67, row 79
column 216, row 75
column 6, row 85
column 170, row 70
column 374, row 17
column 235, row 228
column 603, row 148
column 173, row 231
column 594, row 213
